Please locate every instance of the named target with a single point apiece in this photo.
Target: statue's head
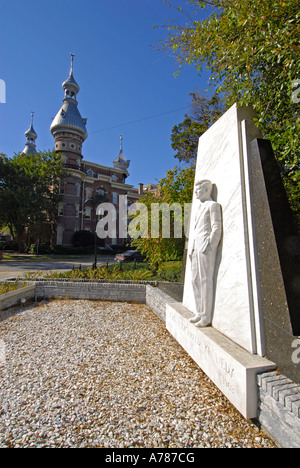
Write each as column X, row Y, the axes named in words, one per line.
column 203, row 190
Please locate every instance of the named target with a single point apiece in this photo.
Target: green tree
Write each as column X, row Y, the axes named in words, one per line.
column 29, row 192
column 175, row 188
column 185, row 136
column 251, row 48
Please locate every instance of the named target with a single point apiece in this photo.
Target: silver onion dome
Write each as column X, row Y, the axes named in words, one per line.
column 68, row 118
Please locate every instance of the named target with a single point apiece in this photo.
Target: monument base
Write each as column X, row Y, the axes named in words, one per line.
column 233, row 369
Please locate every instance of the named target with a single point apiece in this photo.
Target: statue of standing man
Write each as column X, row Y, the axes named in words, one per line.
column 203, row 251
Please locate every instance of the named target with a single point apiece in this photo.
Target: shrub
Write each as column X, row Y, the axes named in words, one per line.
column 8, row 286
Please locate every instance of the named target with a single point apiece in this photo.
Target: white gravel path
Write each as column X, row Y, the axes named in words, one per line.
column 101, row 374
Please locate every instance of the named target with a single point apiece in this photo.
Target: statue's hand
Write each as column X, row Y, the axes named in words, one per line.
column 207, row 246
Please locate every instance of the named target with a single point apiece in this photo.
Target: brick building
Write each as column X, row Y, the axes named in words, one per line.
column 87, row 180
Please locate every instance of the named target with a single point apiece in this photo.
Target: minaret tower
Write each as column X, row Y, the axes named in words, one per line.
column 69, row 131
column 68, row 127
column 31, row 136
column 120, row 162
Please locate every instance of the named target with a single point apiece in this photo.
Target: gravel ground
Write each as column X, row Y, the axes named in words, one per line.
column 101, row 374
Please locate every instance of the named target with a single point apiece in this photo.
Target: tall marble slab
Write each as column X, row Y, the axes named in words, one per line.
column 223, row 158
column 231, row 351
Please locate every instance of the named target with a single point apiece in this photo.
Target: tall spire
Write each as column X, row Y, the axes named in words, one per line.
column 72, row 60
column 68, row 119
column 120, row 162
column 70, row 86
column 31, row 136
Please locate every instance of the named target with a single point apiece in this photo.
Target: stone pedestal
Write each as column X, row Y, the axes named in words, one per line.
column 230, row 367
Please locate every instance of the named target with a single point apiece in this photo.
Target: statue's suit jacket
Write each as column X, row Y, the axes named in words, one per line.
column 208, row 227
column 207, row 235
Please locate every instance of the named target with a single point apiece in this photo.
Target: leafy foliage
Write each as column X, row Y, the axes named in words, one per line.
column 29, row 192
column 9, row 286
column 176, row 187
column 185, row 136
column 169, row 271
column 110, row 273
column 251, row 48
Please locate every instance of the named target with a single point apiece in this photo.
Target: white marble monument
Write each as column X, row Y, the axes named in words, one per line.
column 223, row 159
column 220, row 321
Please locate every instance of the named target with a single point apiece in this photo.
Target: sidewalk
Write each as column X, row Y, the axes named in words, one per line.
column 54, row 258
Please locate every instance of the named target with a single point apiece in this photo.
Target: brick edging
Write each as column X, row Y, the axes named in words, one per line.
column 279, row 408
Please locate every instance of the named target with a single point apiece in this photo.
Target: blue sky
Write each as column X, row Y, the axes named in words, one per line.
column 122, row 78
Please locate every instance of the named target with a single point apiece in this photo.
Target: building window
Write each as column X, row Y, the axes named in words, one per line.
column 60, row 209
column 88, row 212
column 77, row 190
column 77, row 210
column 89, row 173
column 88, row 194
column 101, row 192
column 114, row 198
